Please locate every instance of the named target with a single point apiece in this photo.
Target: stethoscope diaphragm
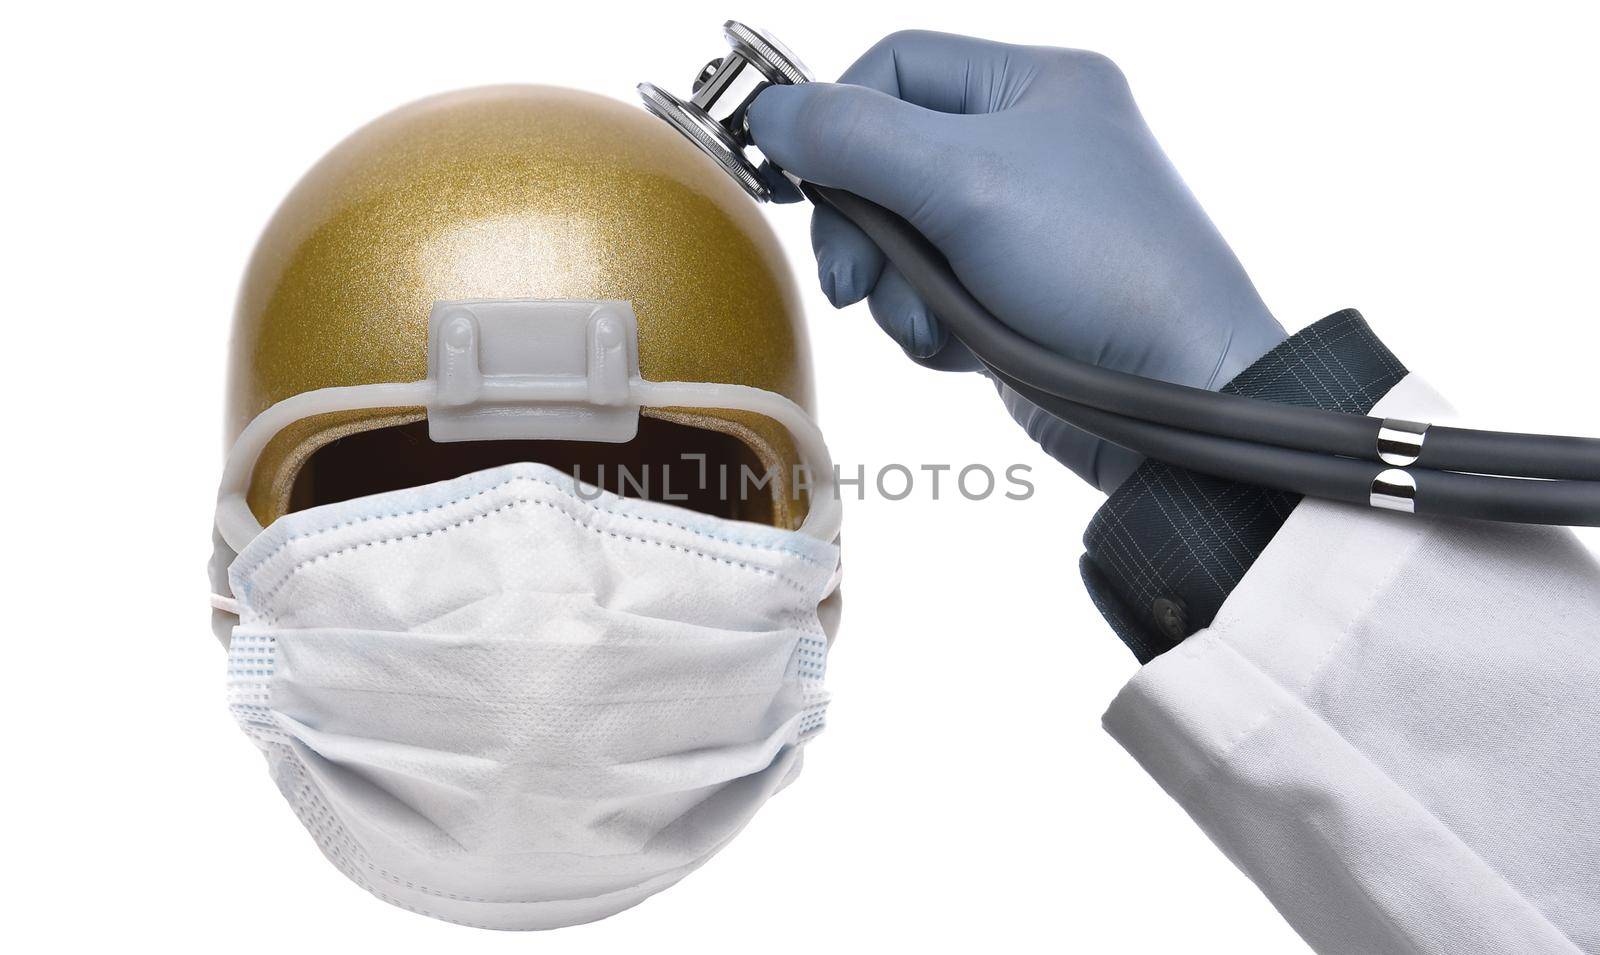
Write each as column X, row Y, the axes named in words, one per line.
column 713, row 118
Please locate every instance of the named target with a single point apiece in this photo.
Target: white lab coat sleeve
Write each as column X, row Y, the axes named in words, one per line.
column 1393, row 727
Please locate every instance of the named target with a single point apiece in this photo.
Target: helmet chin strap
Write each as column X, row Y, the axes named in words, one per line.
column 529, row 369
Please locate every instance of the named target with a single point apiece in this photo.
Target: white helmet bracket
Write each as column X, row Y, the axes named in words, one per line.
column 533, row 369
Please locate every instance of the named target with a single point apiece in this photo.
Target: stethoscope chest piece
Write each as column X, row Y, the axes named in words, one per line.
column 713, row 118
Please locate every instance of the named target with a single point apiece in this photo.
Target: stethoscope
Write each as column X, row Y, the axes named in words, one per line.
column 1382, row 462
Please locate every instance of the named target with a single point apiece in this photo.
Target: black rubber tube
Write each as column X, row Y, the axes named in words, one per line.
column 1249, row 462
column 1510, row 453
column 1508, row 500
column 1439, row 493
column 1179, row 406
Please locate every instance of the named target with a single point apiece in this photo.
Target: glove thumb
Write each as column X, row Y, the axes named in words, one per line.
column 857, row 139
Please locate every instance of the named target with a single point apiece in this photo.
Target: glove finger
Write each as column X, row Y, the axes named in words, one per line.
column 946, row 72
column 881, row 148
column 902, row 314
column 779, row 189
column 954, row 356
column 848, row 263
column 1101, row 463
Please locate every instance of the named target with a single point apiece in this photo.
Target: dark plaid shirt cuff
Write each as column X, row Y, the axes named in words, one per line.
column 1169, row 545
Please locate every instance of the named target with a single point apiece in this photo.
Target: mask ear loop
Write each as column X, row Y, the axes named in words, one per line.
column 238, row 525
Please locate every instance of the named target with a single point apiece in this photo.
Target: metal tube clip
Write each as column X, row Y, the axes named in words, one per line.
column 1400, row 441
column 1395, row 490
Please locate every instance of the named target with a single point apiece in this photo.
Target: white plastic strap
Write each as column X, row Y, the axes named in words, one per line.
column 535, row 369
column 530, row 369
column 239, row 526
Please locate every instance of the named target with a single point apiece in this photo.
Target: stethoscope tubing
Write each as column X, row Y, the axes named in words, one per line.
column 1521, row 478
column 1440, row 493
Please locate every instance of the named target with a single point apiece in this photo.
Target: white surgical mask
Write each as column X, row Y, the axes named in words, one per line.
column 511, row 701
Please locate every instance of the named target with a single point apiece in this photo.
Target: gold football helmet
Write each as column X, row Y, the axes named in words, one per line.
column 506, row 275
column 494, row 197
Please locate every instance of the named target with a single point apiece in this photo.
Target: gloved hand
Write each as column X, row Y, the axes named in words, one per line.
column 1031, row 169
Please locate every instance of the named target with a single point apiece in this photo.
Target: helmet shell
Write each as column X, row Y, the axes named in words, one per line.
column 509, row 192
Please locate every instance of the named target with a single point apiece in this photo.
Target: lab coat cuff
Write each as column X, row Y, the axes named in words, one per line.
column 1389, row 727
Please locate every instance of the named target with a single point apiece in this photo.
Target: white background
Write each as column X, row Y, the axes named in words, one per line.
column 1433, row 166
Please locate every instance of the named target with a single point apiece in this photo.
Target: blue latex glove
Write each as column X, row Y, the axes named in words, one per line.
column 1031, row 169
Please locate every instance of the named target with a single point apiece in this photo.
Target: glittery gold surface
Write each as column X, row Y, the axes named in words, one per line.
column 507, row 192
